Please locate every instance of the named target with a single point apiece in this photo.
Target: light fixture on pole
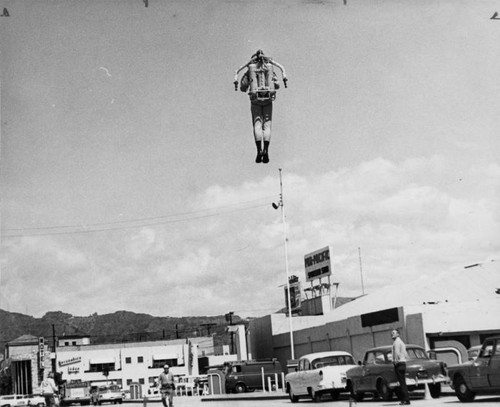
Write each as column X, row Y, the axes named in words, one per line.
column 289, row 302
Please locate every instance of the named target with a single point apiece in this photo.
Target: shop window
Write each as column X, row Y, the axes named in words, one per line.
column 101, row 367
column 162, row 362
column 129, row 381
column 141, row 381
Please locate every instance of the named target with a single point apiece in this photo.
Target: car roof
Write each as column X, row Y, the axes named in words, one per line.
column 389, row 347
column 325, row 354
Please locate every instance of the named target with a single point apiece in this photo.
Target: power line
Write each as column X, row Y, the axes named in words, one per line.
column 111, row 228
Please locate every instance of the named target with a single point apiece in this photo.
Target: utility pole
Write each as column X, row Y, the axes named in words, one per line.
column 229, row 318
column 285, row 239
column 208, row 325
column 54, row 349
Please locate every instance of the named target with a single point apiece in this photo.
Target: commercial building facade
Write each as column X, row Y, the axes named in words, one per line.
column 453, row 310
column 133, row 363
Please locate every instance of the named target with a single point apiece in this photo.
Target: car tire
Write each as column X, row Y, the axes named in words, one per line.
column 40, row 405
column 293, row 397
column 335, row 394
column 353, row 394
column 315, row 396
column 384, row 391
column 240, row 388
column 462, row 391
column 435, row 390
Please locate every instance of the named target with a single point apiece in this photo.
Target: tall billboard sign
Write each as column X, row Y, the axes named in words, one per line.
column 318, row 264
column 294, row 284
column 41, row 352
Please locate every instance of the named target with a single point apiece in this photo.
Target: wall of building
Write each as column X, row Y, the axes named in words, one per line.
column 27, row 367
column 131, row 362
column 430, row 325
column 348, row 335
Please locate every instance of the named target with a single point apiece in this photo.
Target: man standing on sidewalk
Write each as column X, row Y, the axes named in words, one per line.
column 399, row 358
column 167, row 386
column 49, row 390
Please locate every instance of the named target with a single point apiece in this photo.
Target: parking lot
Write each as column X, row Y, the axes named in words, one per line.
column 273, row 400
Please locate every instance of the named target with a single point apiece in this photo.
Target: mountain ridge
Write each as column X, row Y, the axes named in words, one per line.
column 120, row 326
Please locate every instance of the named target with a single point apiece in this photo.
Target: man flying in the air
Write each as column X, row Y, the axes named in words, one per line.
column 261, row 82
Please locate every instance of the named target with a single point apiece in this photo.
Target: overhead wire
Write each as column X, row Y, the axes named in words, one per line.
column 142, row 222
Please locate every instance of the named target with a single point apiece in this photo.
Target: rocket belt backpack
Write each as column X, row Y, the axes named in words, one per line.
column 261, row 83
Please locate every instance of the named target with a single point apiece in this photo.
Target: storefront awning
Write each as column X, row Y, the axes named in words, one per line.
column 101, row 361
column 166, row 356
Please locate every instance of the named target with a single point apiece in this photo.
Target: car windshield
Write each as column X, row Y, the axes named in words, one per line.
column 332, row 361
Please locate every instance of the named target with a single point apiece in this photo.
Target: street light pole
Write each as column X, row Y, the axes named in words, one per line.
column 289, row 302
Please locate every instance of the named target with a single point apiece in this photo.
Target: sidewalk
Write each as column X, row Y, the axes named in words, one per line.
column 255, row 395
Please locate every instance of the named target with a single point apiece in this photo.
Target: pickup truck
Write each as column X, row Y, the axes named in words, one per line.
column 318, row 374
column 478, row 376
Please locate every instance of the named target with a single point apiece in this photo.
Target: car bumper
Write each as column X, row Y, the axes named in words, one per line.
column 334, row 385
column 415, row 381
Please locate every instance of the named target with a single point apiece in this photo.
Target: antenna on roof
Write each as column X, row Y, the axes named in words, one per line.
column 361, row 271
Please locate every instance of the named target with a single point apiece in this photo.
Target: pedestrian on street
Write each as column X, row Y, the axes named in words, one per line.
column 399, row 358
column 167, row 386
column 49, row 390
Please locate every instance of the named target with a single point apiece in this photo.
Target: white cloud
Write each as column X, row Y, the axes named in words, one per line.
column 410, row 219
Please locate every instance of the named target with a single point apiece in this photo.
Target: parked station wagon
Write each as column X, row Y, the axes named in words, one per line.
column 480, row 375
column 376, row 374
column 318, row 374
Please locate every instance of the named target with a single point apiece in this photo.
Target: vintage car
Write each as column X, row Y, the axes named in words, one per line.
column 318, row 374
column 108, row 394
column 480, row 375
column 376, row 373
column 250, row 375
column 22, row 400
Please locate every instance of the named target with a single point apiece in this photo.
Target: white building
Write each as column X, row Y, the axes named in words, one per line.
column 127, row 363
column 137, row 363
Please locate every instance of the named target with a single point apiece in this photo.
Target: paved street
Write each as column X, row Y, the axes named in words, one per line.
column 251, row 400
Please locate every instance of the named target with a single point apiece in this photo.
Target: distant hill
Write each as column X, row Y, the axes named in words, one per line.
column 121, row 326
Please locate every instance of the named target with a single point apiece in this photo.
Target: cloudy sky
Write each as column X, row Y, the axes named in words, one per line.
column 127, row 158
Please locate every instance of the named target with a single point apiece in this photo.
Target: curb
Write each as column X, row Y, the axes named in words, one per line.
column 233, row 397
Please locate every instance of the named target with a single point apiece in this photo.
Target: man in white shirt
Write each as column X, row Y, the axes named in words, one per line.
column 49, row 390
column 399, row 358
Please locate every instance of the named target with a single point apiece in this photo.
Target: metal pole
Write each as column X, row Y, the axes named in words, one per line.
column 361, row 271
column 54, row 347
column 286, row 267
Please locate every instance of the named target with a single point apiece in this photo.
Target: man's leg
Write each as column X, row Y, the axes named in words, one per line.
column 267, row 115
column 257, row 119
column 401, row 375
column 164, row 398
column 171, row 398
